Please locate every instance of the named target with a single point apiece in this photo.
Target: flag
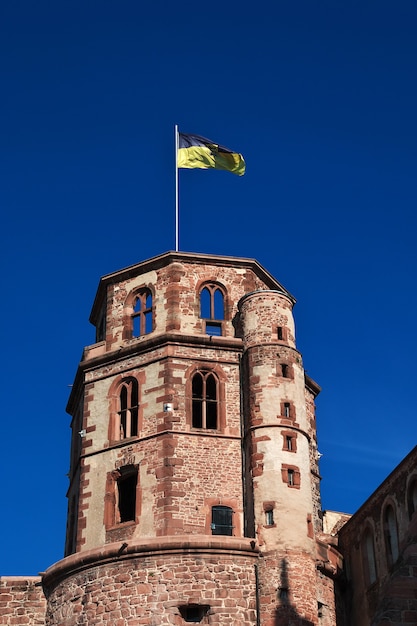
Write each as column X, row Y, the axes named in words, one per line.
column 198, row 152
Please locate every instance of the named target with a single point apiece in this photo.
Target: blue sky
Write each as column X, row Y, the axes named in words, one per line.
column 321, row 99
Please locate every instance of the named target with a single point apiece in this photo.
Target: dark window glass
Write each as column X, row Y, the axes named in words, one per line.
column 205, row 400
column 412, row 499
column 126, row 485
column 368, row 544
column 221, row 520
column 391, row 535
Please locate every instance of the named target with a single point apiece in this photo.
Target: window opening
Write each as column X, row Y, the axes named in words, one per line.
column 284, row 369
column 193, row 612
column 129, row 408
column 212, row 308
column 279, row 332
column 126, row 487
column 291, row 477
column 287, row 408
column 221, row 520
column 269, row 517
column 289, row 442
column 391, row 536
column 214, row 329
column 412, row 499
column 101, row 328
column 370, row 556
column 143, row 314
column 205, row 400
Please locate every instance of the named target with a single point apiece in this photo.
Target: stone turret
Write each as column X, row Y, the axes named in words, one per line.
column 194, row 489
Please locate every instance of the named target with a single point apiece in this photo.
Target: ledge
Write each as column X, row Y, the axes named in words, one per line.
column 148, row 547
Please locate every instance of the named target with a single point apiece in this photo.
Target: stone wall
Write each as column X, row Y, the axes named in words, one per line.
column 22, row 602
column 155, row 584
column 381, row 570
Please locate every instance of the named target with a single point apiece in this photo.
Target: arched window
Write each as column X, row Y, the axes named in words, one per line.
column 212, row 308
column 412, row 498
column 369, row 556
column 142, row 314
column 128, row 409
column 221, row 520
column 205, row 400
column 391, row 535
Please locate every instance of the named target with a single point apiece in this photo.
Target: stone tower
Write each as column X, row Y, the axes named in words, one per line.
column 194, row 488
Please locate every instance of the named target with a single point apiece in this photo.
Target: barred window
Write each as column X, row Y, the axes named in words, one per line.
column 221, row 520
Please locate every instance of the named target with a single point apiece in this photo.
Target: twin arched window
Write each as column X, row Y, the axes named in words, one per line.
column 205, row 400
column 212, row 308
column 142, row 316
column 125, row 410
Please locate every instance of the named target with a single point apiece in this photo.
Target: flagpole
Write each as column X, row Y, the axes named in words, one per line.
column 176, row 191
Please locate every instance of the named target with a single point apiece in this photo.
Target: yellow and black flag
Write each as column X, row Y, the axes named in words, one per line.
column 198, row 152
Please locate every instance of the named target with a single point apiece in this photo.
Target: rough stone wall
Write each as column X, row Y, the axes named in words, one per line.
column 22, row 602
column 288, row 589
column 392, row 598
column 151, row 590
column 162, row 367
column 314, row 459
column 181, row 471
column 176, row 298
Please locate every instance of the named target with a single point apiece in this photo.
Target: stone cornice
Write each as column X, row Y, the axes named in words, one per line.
column 197, row 545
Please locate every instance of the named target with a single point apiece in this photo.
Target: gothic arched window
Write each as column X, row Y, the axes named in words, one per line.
column 142, row 316
column 205, row 400
column 369, row 556
column 212, row 308
column 128, row 410
column 391, row 535
column 412, row 498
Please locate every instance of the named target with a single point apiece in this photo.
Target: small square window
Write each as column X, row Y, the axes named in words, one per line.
column 214, row 329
